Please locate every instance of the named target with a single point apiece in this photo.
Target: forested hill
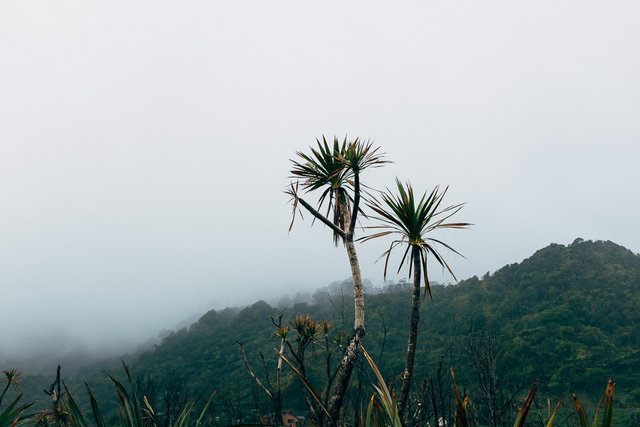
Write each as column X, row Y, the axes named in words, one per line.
column 568, row 316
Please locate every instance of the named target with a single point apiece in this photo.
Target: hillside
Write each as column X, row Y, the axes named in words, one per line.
column 568, row 316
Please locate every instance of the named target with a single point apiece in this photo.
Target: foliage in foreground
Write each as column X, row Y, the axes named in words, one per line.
column 382, row 409
column 606, row 404
column 65, row 411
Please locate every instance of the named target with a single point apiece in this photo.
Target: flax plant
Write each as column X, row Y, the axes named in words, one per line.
column 383, row 401
column 130, row 410
column 606, row 403
column 461, row 408
column 13, row 414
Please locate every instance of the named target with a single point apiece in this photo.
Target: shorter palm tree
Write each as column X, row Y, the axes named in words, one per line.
column 414, row 220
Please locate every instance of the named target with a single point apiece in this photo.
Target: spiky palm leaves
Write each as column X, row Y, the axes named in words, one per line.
column 336, row 171
column 323, row 170
column 414, row 219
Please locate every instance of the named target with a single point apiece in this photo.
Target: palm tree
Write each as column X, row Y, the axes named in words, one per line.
column 414, row 220
column 336, row 171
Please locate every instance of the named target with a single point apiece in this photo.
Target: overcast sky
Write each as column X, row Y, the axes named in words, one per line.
column 145, row 146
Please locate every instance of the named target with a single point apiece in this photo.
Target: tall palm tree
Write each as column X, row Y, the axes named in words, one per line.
column 336, row 171
column 414, row 220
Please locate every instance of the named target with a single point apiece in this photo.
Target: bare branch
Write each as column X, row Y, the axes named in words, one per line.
column 246, row 363
column 266, row 371
column 306, row 384
column 322, row 218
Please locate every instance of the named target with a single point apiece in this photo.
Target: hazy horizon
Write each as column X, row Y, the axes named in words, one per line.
column 145, row 147
column 80, row 349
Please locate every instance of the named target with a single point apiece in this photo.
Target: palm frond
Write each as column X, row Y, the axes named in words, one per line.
column 293, row 192
column 334, row 169
column 359, row 156
column 440, row 260
column 322, row 167
column 401, row 212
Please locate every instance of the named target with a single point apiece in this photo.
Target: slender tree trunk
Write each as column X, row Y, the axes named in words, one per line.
column 277, row 404
column 348, row 360
column 342, row 378
column 413, row 333
column 350, row 219
column 358, row 292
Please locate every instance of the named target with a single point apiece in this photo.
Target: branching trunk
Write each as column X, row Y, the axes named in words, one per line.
column 342, row 378
column 343, row 227
column 348, row 360
column 413, row 333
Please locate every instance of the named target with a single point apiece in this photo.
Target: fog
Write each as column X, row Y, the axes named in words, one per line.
column 145, row 146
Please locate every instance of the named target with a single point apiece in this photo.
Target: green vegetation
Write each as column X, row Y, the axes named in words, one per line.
column 133, row 410
column 568, row 317
column 386, row 406
column 531, row 309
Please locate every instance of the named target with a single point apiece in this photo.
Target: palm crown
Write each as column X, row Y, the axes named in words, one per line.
column 335, row 169
column 415, row 219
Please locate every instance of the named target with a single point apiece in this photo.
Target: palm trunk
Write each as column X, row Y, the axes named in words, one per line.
column 348, row 360
column 413, row 333
column 358, row 292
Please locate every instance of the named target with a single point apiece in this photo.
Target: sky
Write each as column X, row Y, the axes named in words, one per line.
column 145, row 146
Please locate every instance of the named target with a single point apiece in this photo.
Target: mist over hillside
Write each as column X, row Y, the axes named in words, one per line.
column 84, row 343
column 79, row 349
column 45, row 347
column 567, row 316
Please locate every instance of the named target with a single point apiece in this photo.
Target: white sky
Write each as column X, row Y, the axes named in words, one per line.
column 144, row 146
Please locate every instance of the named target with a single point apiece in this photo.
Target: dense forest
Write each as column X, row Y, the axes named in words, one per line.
column 568, row 317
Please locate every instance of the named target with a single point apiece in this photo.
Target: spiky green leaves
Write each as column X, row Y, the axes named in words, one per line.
column 387, row 408
column 607, row 400
column 307, row 328
column 12, row 414
column 414, row 219
column 323, row 169
column 335, row 170
column 359, row 156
